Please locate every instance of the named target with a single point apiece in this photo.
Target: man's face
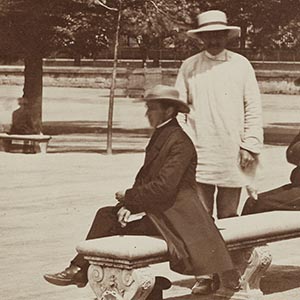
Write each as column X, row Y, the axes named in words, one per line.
column 156, row 114
column 214, row 41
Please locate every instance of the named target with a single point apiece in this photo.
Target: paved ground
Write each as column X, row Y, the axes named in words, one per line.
column 75, row 104
column 47, row 202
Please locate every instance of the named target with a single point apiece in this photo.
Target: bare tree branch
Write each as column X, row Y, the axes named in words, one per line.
column 98, row 2
column 168, row 16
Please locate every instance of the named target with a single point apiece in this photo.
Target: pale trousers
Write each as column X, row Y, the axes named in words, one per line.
column 227, row 199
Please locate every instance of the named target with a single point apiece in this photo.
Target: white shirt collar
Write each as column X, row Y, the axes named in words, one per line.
column 164, row 123
column 222, row 56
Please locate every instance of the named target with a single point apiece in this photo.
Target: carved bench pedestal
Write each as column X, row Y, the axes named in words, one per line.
column 119, row 265
column 251, row 264
column 110, row 283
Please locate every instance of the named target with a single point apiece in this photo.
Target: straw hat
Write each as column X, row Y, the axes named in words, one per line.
column 214, row 20
column 166, row 94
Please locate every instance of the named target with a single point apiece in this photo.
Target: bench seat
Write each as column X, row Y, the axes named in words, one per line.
column 31, row 139
column 245, row 237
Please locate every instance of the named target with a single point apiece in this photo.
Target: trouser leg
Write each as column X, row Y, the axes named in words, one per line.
column 227, row 202
column 106, row 224
column 206, row 194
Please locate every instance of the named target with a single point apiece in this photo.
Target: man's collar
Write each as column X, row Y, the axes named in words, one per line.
column 164, row 123
column 222, row 56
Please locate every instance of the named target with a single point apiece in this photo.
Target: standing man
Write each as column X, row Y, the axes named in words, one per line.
column 225, row 119
column 165, row 197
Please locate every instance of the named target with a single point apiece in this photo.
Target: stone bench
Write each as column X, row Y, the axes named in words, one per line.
column 119, row 265
column 29, row 141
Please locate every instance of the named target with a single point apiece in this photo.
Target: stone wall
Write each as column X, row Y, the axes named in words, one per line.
column 133, row 81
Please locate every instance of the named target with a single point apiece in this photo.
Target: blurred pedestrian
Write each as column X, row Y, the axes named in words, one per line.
column 22, row 122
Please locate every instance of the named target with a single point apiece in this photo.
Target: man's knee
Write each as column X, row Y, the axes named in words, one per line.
column 105, row 212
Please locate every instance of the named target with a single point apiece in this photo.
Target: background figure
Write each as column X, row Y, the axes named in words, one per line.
column 21, row 124
column 225, row 120
column 21, row 119
column 286, row 197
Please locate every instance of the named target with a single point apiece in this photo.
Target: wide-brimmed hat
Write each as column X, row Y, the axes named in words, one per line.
column 214, row 20
column 166, row 94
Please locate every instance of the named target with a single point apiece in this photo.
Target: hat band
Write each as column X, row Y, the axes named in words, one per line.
column 213, row 23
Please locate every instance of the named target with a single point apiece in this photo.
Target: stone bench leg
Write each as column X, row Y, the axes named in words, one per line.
column 115, row 283
column 43, row 147
column 251, row 264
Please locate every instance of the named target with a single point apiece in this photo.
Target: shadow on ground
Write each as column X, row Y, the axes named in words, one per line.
column 274, row 133
column 280, row 278
column 101, row 151
column 280, row 133
column 181, row 290
column 76, row 136
column 91, row 136
column 77, row 127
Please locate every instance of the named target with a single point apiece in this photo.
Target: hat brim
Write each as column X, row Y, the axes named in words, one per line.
column 180, row 104
column 233, row 31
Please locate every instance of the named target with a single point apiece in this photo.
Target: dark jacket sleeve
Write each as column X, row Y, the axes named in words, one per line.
column 162, row 189
column 293, row 151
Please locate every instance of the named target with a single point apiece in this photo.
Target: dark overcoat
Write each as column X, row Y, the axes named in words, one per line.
column 165, row 188
column 22, row 122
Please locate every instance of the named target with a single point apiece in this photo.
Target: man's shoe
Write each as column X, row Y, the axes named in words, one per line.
column 161, row 283
column 71, row 275
column 203, row 286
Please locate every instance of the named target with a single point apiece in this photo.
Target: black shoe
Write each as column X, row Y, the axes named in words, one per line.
column 202, row 287
column 71, row 275
column 206, row 286
column 161, row 283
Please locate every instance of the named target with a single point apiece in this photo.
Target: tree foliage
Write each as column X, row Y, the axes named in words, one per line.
column 33, row 29
column 51, row 26
column 84, row 27
column 264, row 24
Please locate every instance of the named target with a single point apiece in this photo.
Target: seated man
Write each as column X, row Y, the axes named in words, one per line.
column 165, row 197
column 21, row 119
column 286, row 197
column 22, row 123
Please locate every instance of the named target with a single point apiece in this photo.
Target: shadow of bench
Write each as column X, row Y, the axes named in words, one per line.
column 119, row 265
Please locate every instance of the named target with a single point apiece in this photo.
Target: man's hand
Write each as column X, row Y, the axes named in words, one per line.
column 123, row 215
column 246, row 158
column 120, row 196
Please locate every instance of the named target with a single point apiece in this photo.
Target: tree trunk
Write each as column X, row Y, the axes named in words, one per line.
column 113, row 84
column 33, row 88
column 156, row 52
column 243, row 36
column 77, row 60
